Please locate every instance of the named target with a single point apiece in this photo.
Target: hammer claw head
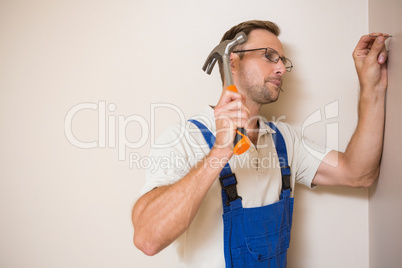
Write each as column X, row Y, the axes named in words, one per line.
column 209, row 64
column 222, row 52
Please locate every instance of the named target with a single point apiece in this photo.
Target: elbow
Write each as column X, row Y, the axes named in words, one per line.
column 142, row 240
column 365, row 180
column 142, row 237
column 144, row 244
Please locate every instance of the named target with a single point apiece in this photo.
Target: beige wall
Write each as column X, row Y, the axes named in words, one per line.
column 65, row 206
column 385, row 214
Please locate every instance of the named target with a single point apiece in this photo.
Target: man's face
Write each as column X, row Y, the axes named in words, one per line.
column 254, row 75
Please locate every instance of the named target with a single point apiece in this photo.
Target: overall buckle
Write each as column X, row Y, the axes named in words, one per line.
column 229, row 184
column 285, row 170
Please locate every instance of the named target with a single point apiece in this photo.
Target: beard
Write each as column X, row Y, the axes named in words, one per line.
column 266, row 93
column 257, row 89
column 261, row 93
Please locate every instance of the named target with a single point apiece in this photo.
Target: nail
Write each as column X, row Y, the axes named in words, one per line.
column 374, row 35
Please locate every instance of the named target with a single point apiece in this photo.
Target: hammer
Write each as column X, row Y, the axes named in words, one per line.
column 222, row 53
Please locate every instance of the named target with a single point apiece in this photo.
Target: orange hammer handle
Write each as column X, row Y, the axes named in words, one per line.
column 241, row 142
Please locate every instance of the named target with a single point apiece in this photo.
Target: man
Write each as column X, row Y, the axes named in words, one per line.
column 184, row 204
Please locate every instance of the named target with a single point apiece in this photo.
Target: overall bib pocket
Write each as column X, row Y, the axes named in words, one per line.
column 269, row 245
column 266, row 250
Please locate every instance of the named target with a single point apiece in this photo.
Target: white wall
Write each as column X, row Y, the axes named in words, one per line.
column 385, row 214
column 64, row 206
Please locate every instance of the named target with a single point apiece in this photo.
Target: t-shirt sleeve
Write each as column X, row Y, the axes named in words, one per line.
column 172, row 156
column 305, row 157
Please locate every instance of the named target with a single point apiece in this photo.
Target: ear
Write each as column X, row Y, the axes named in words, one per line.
column 234, row 62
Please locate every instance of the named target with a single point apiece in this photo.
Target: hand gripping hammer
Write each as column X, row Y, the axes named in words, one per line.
column 222, row 53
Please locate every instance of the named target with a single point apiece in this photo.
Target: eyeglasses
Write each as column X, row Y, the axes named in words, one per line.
column 273, row 56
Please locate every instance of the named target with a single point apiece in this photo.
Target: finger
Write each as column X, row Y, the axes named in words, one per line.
column 382, row 58
column 378, row 34
column 364, row 43
column 376, row 49
column 244, row 98
column 233, row 110
column 227, row 104
column 228, row 96
column 234, row 105
column 362, row 49
column 232, row 119
column 237, row 100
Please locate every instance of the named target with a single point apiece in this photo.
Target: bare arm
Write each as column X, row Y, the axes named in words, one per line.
column 359, row 166
column 163, row 214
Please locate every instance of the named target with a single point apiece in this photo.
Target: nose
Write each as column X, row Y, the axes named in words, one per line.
column 280, row 68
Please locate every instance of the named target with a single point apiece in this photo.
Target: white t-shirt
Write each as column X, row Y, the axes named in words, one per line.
column 257, row 171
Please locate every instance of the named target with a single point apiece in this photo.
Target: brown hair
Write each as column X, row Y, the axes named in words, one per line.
column 247, row 27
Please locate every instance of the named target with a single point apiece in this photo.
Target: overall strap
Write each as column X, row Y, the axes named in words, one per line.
column 230, row 199
column 282, row 155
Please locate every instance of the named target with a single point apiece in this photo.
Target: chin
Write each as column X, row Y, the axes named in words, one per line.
column 272, row 100
column 271, row 97
column 268, row 100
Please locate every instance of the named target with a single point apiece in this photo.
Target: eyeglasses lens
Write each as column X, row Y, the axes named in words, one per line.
column 273, row 56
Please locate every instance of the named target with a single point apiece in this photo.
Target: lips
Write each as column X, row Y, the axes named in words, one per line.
column 276, row 83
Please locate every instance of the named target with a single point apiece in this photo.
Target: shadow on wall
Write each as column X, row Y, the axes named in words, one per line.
column 289, row 103
column 341, row 192
column 303, row 209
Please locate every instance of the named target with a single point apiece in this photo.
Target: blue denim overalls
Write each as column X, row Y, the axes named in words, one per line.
column 260, row 236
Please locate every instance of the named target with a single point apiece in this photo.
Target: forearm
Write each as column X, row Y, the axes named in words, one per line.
column 363, row 153
column 162, row 215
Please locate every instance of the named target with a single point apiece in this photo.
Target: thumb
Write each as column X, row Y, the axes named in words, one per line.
column 375, row 51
